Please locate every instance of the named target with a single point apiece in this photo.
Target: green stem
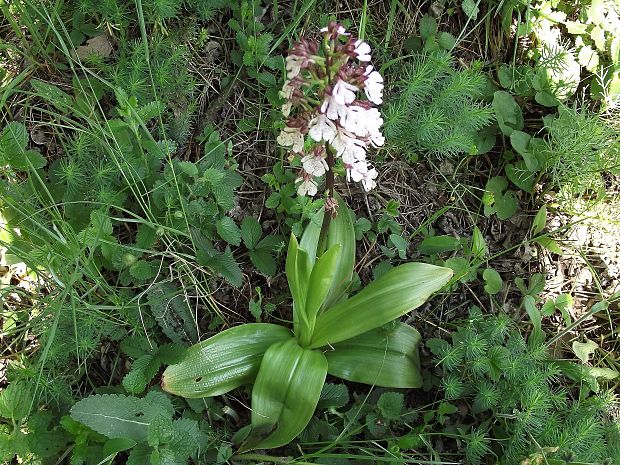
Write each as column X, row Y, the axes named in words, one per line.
column 329, row 190
column 262, row 458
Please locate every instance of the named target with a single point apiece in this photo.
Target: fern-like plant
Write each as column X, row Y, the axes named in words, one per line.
column 513, row 387
column 435, row 108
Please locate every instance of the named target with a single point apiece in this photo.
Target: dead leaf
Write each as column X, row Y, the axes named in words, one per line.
column 98, row 45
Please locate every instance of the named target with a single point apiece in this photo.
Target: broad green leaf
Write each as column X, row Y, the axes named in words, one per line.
column 116, row 445
column 540, row 220
column 320, row 283
column 549, row 244
column 529, row 303
column 117, row 416
column 379, row 357
column 438, row 244
column 15, row 401
column 478, row 244
column 228, row 230
column 298, row 269
column 341, row 231
column 222, row 362
column 285, row 395
column 333, row 396
column 521, row 176
column 583, row 350
column 507, row 112
column 397, row 292
column 250, row 232
column 428, row 27
column 391, row 405
column 492, row 281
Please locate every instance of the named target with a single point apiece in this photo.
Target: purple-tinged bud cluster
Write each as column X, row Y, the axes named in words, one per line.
column 330, row 92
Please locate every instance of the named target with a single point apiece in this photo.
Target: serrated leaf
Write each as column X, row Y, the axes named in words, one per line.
column 169, row 354
column 15, row 401
column 172, row 312
column 188, row 168
column 251, row 232
column 228, row 230
column 224, row 264
column 145, row 236
column 143, row 370
column 222, row 362
column 143, row 270
column 117, row 416
column 428, row 27
column 333, row 396
column 264, row 261
column 391, row 405
column 446, row 40
column 470, row 8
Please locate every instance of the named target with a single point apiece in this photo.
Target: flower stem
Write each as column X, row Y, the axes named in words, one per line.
column 329, row 191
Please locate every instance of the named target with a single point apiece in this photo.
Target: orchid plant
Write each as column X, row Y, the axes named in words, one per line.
column 357, row 338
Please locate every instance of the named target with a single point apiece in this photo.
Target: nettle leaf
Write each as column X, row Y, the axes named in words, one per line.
column 264, row 261
column 470, row 8
column 251, row 232
column 333, row 396
column 143, row 370
column 145, row 236
column 118, row 416
column 172, row 312
column 391, row 405
column 223, row 263
column 428, row 27
column 143, row 270
column 15, row 401
column 228, row 230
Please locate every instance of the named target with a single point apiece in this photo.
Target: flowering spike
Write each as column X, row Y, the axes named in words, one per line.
column 330, row 92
